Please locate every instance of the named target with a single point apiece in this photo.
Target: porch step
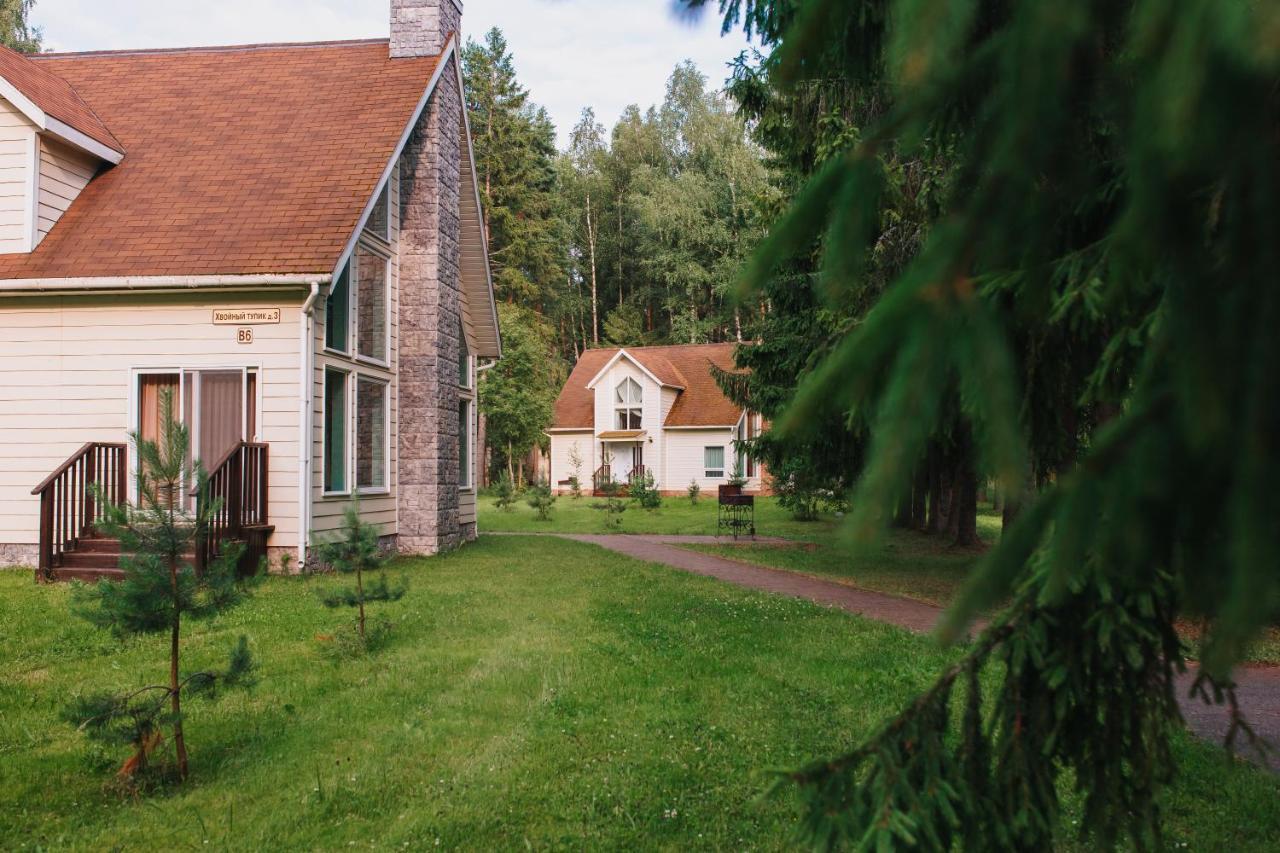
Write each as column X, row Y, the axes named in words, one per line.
column 87, row 575
column 100, row 545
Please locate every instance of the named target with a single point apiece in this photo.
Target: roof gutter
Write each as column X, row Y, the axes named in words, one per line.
column 125, row 284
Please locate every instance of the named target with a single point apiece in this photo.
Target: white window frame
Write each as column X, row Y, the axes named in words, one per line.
column 349, row 266
column 468, row 463
column 627, row 405
column 348, row 421
column 365, row 230
column 385, row 488
column 384, row 253
column 713, row 473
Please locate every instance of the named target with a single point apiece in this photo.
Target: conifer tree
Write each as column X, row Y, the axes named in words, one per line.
column 354, row 550
column 160, row 588
column 1094, row 299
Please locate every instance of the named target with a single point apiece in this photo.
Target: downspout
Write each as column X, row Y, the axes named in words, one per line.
column 306, row 352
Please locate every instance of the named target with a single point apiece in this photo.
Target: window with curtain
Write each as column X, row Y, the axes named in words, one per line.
column 464, row 444
column 627, row 400
column 337, row 313
column 371, row 304
column 335, row 431
column 371, row 434
column 713, row 462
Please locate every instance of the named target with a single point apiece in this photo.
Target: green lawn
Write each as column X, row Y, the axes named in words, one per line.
column 536, row 693
column 676, row 515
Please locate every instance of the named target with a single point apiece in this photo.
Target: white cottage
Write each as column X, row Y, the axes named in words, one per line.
column 285, row 237
column 631, row 411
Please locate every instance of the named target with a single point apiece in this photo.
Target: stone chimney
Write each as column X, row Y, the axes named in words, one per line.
column 421, row 27
column 430, row 295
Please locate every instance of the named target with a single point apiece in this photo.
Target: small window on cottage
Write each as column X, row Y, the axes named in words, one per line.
column 335, row 431
column 628, row 398
column 713, row 462
column 371, row 434
column 379, row 222
column 464, row 360
column 371, row 304
column 464, row 444
column 337, row 313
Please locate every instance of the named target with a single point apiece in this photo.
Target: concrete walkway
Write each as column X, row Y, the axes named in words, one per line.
column 1258, row 686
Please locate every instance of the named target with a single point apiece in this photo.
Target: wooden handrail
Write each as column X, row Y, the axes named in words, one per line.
column 71, row 460
column 239, row 482
column 72, row 499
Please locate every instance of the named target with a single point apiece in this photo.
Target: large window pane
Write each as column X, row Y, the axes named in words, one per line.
column 337, row 313
column 371, row 434
column 335, row 431
column 713, row 462
column 380, row 217
column 371, row 304
column 464, row 444
column 464, row 360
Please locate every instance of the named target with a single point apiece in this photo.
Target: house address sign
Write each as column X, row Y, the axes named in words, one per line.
column 245, row 316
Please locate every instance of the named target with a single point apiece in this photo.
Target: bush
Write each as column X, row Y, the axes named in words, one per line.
column 575, row 486
column 505, row 494
column 614, row 507
column 693, row 491
column 541, row 499
column 644, row 492
column 803, row 492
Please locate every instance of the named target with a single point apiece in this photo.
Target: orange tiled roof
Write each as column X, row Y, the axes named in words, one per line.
column 240, row 160
column 55, row 96
column 700, row 402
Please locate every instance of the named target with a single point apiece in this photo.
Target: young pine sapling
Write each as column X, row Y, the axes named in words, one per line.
column 160, row 587
column 355, row 550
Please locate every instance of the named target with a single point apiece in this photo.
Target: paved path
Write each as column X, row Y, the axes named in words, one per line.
column 1259, row 686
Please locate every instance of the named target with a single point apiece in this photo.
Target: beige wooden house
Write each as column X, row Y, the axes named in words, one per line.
column 626, row 412
column 287, row 238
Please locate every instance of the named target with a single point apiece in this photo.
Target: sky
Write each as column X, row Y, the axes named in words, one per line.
column 569, row 53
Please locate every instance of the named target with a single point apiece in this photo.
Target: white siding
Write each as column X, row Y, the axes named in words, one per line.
column 561, row 469
column 654, row 407
column 684, row 459
column 67, row 370
column 17, row 144
column 64, row 172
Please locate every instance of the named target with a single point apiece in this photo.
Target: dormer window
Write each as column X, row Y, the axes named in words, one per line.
column 627, row 401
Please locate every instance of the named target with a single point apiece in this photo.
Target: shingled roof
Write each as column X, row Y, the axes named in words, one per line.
column 244, row 160
column 687, row 368
column 55, row 97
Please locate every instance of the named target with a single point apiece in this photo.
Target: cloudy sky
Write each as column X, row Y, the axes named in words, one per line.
column 569, row 53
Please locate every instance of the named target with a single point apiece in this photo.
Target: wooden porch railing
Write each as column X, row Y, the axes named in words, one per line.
column 69, row 503
column 238, row 482
column 637, row 472
column 601, row 477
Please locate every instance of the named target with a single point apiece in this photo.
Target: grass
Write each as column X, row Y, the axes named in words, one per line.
column 536, row 693
column 676, row 516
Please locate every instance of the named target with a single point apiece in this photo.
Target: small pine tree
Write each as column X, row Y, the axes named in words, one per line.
column 355, row 550
column 614, row 507
column 541, row 499
column 693, row 491
column 644, row 492
column 160, row 587
column 505, row 493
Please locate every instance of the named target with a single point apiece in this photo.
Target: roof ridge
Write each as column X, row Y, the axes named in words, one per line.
column 212, row 48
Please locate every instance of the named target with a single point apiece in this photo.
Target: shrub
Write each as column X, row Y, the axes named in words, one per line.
column 693, row 491
column 800, row 491
column 541, row 499
column 575, row 463
column 505, row 494
column 644, row 492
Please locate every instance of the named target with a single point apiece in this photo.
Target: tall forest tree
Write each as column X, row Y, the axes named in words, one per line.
column 16, row 31
column 1093, row 298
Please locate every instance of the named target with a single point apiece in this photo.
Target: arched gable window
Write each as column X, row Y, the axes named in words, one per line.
column 627, row 400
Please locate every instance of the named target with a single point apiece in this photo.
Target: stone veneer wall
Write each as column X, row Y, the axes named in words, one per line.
column 13, row 556
column 430, row 297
